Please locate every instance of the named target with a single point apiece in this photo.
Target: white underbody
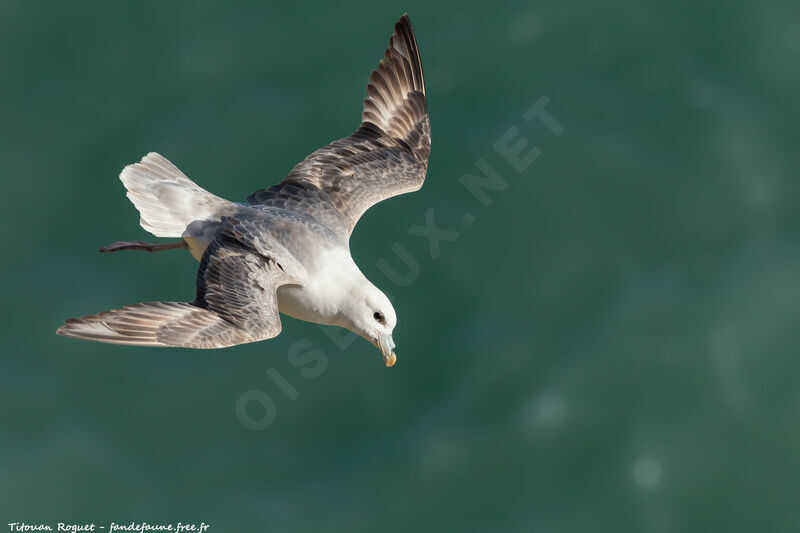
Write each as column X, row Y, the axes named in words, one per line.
column 317, row 299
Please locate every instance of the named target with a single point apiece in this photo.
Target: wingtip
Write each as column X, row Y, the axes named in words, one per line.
column 402, row 22
column 67, row 329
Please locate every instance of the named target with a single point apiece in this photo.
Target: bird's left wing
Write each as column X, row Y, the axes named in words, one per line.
column 386, row 156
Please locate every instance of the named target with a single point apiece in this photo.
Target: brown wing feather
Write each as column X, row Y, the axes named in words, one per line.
column 236, row 303
column 153, row 324
column 396, row 102
column 386, row 156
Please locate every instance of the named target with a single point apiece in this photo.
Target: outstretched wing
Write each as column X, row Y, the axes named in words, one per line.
column 386, row 156
column 236, row 303
column 240, row 285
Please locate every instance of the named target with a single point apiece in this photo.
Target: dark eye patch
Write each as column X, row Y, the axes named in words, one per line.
column 379, row 317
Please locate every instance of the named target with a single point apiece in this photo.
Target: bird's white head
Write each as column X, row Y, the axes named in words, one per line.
column 370, row 314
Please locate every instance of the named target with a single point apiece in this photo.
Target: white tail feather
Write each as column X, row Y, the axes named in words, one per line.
column 167, row 200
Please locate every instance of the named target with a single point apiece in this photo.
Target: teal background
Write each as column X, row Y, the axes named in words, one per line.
column 612, row 345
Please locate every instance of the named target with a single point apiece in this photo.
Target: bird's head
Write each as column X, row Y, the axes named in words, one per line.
column 371, row 315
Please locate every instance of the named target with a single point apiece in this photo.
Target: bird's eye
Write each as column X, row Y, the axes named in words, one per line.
column 379, row 317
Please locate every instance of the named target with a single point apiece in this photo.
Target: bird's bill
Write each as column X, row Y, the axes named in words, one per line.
column 386, row 344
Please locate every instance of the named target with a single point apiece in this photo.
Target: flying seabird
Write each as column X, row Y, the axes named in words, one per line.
column 286, row 249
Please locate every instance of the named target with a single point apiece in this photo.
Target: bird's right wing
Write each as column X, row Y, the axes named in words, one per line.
column 237, row 283
column 236, row 303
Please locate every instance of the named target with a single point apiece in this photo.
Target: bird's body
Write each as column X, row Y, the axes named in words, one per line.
column 321, row 261
column 285, row 250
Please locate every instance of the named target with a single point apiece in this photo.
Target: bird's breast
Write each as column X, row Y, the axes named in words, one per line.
column 304, row 303
column 321, row 297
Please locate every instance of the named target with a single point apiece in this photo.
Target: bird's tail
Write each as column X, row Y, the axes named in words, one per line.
column 154, row 324
column 167, row 200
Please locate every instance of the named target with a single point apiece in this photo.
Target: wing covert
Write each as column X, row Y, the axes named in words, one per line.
column 386, row 156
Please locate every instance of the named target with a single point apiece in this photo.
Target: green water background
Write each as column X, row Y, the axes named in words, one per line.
column 611, row 345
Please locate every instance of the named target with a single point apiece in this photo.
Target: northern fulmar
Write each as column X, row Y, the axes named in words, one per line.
column 286, row 249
